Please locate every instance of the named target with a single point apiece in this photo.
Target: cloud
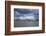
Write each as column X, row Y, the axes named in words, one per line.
column 25, row 14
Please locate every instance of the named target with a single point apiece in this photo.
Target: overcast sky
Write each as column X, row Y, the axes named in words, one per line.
column 26, row 12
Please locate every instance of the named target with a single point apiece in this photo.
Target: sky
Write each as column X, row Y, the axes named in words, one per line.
column 19, row 12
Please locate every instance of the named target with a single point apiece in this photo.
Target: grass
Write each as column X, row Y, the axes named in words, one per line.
column 25, row 23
